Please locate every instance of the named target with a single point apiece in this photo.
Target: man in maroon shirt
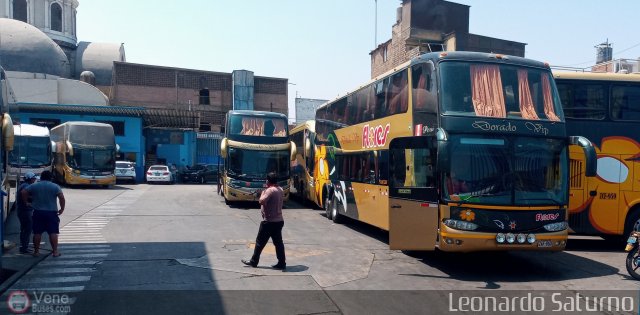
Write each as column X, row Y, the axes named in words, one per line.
column 271, row 225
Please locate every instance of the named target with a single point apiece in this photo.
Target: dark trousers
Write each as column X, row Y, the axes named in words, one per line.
column 26, row 223
column 268, row 230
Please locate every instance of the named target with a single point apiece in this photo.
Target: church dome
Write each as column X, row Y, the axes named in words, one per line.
column 25, row 48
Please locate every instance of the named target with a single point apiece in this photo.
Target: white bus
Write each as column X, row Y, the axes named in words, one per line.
column 31, row 153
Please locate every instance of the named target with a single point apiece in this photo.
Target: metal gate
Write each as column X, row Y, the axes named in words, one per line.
column 208, row 147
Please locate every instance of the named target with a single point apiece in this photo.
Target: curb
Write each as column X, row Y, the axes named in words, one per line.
column 19, row 274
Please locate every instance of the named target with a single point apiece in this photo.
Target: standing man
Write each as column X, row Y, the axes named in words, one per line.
column 271, row 225
column 25, row 213
column 44, row 196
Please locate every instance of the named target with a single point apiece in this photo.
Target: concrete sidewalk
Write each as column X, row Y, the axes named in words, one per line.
column 12, row 260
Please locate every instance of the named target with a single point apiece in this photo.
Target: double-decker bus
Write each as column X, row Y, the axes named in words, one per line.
column 6, row 141
column 460, row 151
column 84, row 153
column 31, row 153
column 255, row 144
column 304, row 169
column 605, row 108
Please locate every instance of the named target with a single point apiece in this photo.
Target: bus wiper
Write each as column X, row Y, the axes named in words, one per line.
column 556, row 202
column 480, row 195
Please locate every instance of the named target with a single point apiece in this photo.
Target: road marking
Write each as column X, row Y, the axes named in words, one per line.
column 60, row 279
column 70, row 262
column 63, row 270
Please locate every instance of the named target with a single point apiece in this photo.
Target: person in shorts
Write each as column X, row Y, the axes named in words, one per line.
column 44, row 196
column 25, row 213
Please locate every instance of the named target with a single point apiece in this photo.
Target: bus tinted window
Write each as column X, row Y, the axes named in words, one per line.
column 587, row 101
column 257, row 126
column 492, row 90
column 625, row 102
column 380, row 88
column 397, row 94
column 424, row 94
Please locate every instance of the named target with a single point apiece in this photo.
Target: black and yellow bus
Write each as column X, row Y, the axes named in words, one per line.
column 460, row 151
column 306, row 184
column 605, row 108
column 255, row 144
column 6, row 141
column 84, row 153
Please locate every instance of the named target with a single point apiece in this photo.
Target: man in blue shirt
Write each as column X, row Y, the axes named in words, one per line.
column 25, row 213
column 44, row 201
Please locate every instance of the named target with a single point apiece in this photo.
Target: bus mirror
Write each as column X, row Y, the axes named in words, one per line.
column 54, row 147
column 443, row 153
column 69, row 148
column 294, row 150
column 117, row 147
column 591, row 159
column 7, row 132
column 223, row 147
column 307, row 147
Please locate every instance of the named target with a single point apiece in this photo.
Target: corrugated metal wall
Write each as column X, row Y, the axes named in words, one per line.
column 208, row 147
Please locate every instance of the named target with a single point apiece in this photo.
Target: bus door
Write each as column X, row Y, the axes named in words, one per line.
column 413, row 197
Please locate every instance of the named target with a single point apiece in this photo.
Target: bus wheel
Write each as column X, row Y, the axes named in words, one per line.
column 303, row 196
column 336, row 217
column 632, row 220
column 327, row 206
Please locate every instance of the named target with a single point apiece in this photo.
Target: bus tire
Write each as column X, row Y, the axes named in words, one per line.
column 303, row 196
column 327, row 206
column 336, row 217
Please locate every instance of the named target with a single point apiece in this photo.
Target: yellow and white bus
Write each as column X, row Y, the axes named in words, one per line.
column 31, row 153
column 460, row 151
column 84, row 153
column 605, row 108
column 255, row 144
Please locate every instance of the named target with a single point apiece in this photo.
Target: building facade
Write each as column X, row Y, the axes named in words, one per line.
column 433, row 25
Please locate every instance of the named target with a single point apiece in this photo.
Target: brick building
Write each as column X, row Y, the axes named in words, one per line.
column 209, row 93
column 433, row 25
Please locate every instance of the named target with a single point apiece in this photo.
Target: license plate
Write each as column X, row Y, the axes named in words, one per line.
column 93, row 182
column 157, row 174
column 544, row 243
column 632, row 240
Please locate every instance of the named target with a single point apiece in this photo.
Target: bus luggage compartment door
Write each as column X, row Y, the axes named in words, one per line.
column 413, row 197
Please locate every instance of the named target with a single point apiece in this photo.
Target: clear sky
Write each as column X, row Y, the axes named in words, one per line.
column 323, row 46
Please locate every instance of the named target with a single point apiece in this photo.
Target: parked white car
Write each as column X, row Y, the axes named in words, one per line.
column 160, row 174
column 125, row 171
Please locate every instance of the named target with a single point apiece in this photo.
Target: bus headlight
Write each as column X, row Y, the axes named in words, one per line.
column 500, row 238
column 554, row 227
column 511, row 238
column 521, row 238
column 460, row 225
column 531, row 238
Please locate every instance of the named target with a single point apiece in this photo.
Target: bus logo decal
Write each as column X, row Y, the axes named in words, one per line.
column 499, row 224
column 486, row 126
column 538, row 128
column 373, row 137
column 546, row 217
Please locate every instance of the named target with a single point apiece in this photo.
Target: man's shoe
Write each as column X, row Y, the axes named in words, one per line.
column 279, row 266
column 249, row 263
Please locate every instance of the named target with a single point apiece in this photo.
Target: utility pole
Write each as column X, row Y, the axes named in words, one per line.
column 375, row 27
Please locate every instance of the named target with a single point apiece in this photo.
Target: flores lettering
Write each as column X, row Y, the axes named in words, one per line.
column 486, row 126
column 547, row 217
column 374, row 137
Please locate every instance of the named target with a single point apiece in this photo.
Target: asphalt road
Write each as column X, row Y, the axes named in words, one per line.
column 167, row 249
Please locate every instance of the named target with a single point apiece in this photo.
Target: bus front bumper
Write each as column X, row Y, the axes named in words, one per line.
column 452, row 240
column 242, row 194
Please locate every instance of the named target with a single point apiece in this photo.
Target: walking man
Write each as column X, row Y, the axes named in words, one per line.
column 44, row 201
column 271, row 225
column 25, row 213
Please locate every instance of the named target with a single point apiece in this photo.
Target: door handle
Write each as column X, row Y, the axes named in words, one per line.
column 396, row 206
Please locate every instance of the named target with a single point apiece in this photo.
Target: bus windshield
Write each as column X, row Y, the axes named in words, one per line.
column 506, row 171
column 30, row 152
column 257, row 126
column 249, row 164
column 498, row 90
column 93, row 160
column 91, row 135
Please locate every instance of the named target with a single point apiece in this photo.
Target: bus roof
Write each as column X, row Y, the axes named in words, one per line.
column 470, row 56
column 30, row 130
column 597, row 76
column 309, row 124
column 257, row 113
column 81, row 123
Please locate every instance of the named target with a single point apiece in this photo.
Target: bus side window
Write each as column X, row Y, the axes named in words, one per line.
column 423, row 94
column 381, row 98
